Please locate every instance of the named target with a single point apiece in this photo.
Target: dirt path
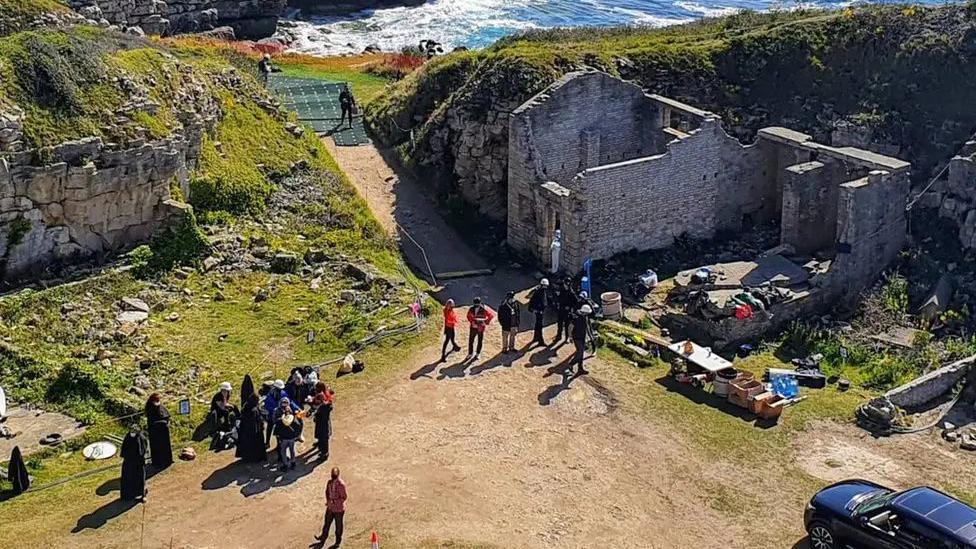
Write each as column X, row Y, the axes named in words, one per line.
column 492, row 454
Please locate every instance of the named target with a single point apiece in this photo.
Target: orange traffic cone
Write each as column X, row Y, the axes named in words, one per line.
column 374, row 541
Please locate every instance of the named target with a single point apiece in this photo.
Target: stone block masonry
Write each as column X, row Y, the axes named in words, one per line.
column 614, row 169
column 250, row 19
column 91, row 200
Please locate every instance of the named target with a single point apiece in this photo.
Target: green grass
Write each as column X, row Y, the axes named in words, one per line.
column 365, row 86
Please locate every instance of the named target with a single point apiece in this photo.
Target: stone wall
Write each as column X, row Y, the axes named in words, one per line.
column 250, row 19
column 696, row 188
column 922, row 390
column 89, row 200
column 954, row 195
column 614, row 169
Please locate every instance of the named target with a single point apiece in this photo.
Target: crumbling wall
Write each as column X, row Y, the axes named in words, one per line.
column 250, row 18
column 871, row 228
column 89, row 200
column 695, row 189
column 922, row 390
column 955, row 194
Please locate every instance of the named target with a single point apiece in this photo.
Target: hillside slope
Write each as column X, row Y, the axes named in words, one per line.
column 900, row 77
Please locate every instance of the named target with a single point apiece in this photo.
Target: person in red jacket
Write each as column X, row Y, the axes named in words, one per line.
column 479, row 317
column 450, row 321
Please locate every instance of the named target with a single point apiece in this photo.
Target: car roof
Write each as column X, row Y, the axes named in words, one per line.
column 938, row 511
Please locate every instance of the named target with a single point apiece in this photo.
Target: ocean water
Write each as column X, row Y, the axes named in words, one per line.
column 478, row 23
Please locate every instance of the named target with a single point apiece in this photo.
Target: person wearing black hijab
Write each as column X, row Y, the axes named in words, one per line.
column 157, row 416
column 250, row 437
column 17, row 472
column 133, row 466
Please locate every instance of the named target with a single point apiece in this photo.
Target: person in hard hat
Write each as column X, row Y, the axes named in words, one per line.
column 335, row 507
column 450, row 322
column 479, row 317
column 265, row 68
column 222, row 412
column 538, row 303
column 581, row 332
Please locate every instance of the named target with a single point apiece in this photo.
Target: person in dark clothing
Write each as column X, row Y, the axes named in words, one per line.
column 565, row 304
column 347, row 103
column 322, row 403
column 296, row 388
column 157, row 416
column 479, row 317
column 265, row 68
column 133, row 453
column 247, row 389
column 17, row 472
column 538, row 303
column 223, row 414
column 581, row 332
column 250, row 437
column 287, row 430
column 508, row 317
column 272, row 400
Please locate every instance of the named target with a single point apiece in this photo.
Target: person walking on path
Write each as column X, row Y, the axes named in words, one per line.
column 335, row 507
column 347, row 103
column 565, row 303
column 538, row 303
column 450, row 321
column 508, row 317
column 160, row 447
column 479, row 317
column 581, row 332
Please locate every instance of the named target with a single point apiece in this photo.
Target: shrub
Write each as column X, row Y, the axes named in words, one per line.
column 179, row 245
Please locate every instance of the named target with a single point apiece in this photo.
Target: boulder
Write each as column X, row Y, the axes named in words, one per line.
column 283, row 263
column 134, row 304
column 132, row 317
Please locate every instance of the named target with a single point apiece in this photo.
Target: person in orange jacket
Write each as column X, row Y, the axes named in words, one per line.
column 479, row 317
column 450, row 321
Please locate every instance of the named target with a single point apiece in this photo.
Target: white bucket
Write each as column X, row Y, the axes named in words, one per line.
column 611, row 304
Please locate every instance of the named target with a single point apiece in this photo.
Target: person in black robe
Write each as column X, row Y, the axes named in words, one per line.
column 157, row 416
column 247, row 389
column 17, row 472
column 250, row 437
column 322, row 403
column 222, row 412
column 133, row 454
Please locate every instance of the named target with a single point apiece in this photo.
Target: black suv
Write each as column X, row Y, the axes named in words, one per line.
column 862, row 514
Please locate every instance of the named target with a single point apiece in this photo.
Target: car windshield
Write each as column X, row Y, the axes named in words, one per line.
column 874, row 501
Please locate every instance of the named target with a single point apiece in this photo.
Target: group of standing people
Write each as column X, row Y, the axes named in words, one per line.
column 574, row 312
column 136, row 444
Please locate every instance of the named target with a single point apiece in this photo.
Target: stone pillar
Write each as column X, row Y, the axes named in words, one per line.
column 809, row 216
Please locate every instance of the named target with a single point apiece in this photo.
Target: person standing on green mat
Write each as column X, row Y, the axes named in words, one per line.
column 348, row 104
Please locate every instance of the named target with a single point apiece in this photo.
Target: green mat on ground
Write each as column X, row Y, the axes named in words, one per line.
column 317, row 105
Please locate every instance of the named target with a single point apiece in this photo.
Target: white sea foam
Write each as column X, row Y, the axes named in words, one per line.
column 451, row 22
column 706, row 11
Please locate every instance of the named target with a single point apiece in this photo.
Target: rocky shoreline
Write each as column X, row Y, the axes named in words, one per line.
column 250, row 19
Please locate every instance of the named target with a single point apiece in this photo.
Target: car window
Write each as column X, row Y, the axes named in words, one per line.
column 924, row 537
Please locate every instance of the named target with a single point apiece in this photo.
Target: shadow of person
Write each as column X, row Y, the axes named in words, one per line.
column 456, row 370
column 541, row 357
column 99, row 517
column 546, row 397
column 234, row 472
column 205, row 429
column 424, row 371
column 501, row 359
column 109, row 486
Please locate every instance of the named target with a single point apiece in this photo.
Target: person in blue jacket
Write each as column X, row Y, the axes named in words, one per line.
column 271, row 403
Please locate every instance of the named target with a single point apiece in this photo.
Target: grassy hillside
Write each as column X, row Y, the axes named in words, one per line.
column 280, row 225
column 903, row 74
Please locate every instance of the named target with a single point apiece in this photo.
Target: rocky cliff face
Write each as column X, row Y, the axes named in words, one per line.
column 337, row 7
column 250, row 19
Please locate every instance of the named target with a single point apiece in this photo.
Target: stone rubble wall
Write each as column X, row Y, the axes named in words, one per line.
column 922, row 390
column 250, row 19
column 91, row 199
column 955, row 194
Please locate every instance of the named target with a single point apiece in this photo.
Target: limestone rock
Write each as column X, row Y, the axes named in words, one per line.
column 134, row 304
column 132, row 317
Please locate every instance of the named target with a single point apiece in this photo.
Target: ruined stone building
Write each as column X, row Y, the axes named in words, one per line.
column 615, row 169
column 954, row 194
